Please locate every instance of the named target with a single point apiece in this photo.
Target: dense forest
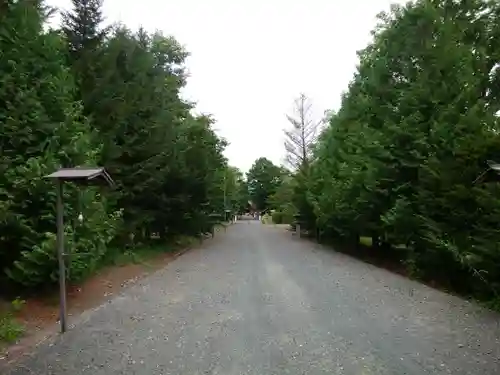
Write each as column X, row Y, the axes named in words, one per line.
column 83, row 94
column 399, row 161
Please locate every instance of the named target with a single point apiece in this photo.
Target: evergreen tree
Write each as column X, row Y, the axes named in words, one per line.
column 263, row 180
column 42, row 129
column 299, row 144
column 414, row 130
column 166, row 161
column 85, row 36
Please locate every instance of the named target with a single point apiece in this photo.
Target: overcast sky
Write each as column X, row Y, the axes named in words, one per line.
column 251, row 58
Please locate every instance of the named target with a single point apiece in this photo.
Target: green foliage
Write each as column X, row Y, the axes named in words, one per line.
column 49, row 132
column 84, row 37
column 418, row 122
column 283, row 201
column 10, row 330
column 147, row 253
column 263, row 179
column 86, row 95
column 299, row 145
column 279, row 217
column 17, row 304
column 236, row 190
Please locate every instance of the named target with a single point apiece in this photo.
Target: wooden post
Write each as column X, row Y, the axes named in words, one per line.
column 61, row 255
column 94, row 176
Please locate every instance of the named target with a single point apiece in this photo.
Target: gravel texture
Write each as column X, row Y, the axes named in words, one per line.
column 257, row 300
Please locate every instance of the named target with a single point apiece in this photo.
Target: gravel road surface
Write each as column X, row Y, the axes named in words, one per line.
column 256, row 300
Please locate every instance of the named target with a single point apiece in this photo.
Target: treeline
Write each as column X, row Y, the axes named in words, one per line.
column 398, row 162
column 86, row 95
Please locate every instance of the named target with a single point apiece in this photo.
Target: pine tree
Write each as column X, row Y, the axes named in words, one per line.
column 302, row 135
column 85, row 36
column 42, row 129
column 167, row 162
column 263, row 178
column 299, row 143
column 414, row 130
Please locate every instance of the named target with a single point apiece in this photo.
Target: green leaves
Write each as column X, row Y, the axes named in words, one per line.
column 263, row 180
column 414, row 131
column 44, row 130
column 95, row 96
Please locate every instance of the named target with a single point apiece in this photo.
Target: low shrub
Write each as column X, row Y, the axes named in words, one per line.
column 10, row 329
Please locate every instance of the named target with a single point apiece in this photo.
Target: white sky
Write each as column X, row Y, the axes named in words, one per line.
column 251, row 58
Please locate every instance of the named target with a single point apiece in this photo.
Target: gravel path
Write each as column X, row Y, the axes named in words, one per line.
column 257, row 300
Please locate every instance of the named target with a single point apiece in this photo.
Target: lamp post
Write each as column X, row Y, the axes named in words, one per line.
column 82, row 176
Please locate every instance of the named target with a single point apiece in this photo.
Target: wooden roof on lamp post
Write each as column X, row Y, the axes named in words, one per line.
column 81, row 176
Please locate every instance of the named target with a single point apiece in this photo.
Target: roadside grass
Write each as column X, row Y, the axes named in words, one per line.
column 493, row 304
column 146, row 253
column 140, row 255
column 366, row 241
column 10, row 328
